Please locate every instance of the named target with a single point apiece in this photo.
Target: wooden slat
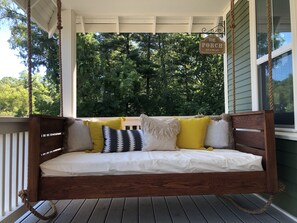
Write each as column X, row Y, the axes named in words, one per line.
column 151, row 185
column 251, row 139
column 48, row 126
column 51, row 143
column 248, row 120
column 50, row 156
column 253, row 151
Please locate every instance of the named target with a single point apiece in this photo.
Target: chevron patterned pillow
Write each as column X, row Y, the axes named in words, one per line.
column 121, row 140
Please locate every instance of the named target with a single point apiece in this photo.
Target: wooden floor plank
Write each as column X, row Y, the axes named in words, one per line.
column 245, row 217
column 42, row 209
column 130, row 212
column 70, row 211
column 60, row 205
column 100, row 211
column 221, row 209
column 146, row 213
column 191, row 210
column 206, row 209
column 26, row 215
column 162, row 214
column 115, row 211
column 176, row 211
column 85, row 211
column 271, row 210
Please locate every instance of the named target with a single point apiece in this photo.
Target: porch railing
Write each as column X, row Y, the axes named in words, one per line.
column 13, row 164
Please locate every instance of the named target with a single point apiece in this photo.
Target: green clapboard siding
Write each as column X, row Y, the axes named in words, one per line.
column 242, row 59
column 286, row 152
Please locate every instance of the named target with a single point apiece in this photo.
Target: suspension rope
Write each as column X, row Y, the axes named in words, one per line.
column 23, row 194
column 257, row 210
column 269, row 49
column 232, row 27
column 59, row 27
column 29, row 45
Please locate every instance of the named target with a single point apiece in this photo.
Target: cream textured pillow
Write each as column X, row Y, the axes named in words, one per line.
column 211, row 135
column 217, row 134
column 78, row 136
column 159, row 134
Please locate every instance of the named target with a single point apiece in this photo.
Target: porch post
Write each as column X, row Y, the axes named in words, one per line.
column 69, row 62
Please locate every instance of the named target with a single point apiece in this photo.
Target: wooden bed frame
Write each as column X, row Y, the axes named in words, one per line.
column 253, row 133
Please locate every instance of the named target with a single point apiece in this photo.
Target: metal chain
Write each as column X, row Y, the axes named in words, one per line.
column 232, row 27
column 269, row 49
column 59, row 27
column 29, row 45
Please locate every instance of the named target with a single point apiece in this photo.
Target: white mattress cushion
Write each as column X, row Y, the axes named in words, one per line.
column 139, row 162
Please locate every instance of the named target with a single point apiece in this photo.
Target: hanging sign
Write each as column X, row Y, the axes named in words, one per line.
column 212, row 45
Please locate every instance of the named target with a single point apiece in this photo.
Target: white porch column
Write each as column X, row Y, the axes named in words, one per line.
column 69, row 62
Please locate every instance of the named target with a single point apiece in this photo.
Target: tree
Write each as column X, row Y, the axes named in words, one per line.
column 126, row 74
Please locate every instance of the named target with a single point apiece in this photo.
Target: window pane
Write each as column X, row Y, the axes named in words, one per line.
column 281, row 25
column 282, row 89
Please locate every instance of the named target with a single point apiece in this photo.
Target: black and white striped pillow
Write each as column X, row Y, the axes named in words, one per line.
column 121, row 140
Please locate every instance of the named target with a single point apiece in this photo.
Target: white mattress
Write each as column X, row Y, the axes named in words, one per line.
column 138, row 162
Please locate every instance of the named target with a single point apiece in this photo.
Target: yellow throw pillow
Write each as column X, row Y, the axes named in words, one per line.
column 96, row 132
column 192, row 133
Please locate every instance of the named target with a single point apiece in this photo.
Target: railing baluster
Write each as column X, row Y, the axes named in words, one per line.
column 2, row 174
column 16, row 177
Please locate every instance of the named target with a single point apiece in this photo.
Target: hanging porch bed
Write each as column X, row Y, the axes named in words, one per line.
column 253, row 133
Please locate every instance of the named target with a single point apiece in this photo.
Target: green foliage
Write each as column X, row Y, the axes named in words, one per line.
column 119, row 75
column 14, row 96
column 162, row 74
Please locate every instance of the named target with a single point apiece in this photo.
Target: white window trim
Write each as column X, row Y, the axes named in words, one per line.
column 282, row 133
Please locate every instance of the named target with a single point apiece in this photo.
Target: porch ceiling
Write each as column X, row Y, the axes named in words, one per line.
column 120, row 16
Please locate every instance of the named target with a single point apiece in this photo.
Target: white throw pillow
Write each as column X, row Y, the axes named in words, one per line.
column 78, row 137
column 159, row 134
column 217, row 134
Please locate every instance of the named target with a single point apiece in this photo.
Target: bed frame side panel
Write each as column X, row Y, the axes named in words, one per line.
column 46, row 135
column 254, row 133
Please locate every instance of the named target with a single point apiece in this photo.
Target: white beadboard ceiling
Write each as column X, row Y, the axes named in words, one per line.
column 121, row 16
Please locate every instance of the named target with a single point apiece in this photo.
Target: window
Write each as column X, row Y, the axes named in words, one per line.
column 282, row 60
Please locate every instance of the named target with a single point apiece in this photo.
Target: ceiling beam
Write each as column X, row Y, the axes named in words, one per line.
column 82, row 25
column 55, row 3
column 154, row 24
column 118, row 25
column 190, row 24
column 34, row 3
column 52, row 25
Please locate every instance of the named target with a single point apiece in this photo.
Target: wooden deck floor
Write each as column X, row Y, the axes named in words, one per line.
column 179, row 209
